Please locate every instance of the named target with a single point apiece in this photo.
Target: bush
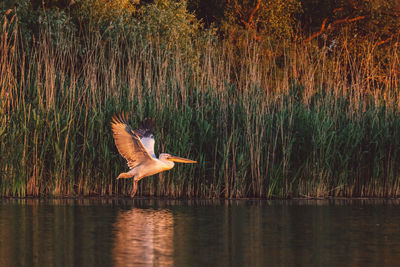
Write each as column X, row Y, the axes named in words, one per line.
column 272, row 18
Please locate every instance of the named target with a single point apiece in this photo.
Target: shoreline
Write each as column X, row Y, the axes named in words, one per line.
column 147, row 198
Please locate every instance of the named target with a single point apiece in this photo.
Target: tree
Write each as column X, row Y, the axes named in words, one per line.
column 362, row 19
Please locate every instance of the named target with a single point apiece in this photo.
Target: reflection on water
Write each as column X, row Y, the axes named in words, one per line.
column 125, row 232
column 143, row 236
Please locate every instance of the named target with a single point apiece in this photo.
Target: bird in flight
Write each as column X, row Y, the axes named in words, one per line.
column 137, row 147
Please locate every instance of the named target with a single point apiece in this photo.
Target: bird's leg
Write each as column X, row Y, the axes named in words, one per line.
column 135, row 187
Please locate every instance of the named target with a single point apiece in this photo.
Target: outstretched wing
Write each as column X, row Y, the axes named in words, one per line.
column 128, row 142
column 145, row 132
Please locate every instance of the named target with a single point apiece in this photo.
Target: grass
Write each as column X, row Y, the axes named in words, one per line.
column 301, row 121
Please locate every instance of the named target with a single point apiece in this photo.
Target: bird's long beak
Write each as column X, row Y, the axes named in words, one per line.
column 181, row 160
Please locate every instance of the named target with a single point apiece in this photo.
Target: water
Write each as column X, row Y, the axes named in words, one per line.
column 125, row 232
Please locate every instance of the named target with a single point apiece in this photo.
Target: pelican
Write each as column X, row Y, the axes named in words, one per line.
column 137, row 147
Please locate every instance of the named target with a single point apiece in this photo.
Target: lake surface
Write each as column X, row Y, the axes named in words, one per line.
column 125, row 232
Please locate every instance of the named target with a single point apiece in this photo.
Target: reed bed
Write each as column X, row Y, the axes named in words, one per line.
column 261, row 121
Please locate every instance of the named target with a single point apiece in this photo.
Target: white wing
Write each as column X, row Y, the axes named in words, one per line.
column 145, row 132
column 148, row 143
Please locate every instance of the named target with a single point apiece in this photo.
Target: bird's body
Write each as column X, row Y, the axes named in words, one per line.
column 137, row 147
column 151, row 167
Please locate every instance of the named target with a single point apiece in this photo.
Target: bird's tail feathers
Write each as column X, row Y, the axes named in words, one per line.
column 125, row 175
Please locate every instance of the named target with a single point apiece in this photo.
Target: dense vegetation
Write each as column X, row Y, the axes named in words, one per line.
column 272, row 98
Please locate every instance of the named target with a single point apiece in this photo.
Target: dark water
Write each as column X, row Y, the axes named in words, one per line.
column 124, row 232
